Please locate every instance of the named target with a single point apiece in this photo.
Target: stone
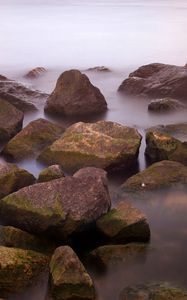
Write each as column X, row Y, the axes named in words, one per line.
column 13, row 178
column 165, row 105
column 159, row 175
column 178, row 130
column 163, row 146
column 111, row 255
column 32, row 139
column 99, row 69
column 124, row 224
column 157, row 81
column 21, row 96
column 51, row 173
column 20, row 268
column 68, row 277
column 95, row 173
column 35, row 73
column 11, row 120
column 156, row 291
column 3, row 77
column 104, row 144
column 60, row 208
column 75, row 95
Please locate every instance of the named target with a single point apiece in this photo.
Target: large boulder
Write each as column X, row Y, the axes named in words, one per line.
column 13, row 178
column 124, row 224
column 51, row 173
column 32, row 139
column 20, row 268
column 178, row 130
column 159, row 175
column 11, row 120
column 75, row 95
column 94, row 173
column 68, row 277
column 103, row 144
column 20, row 96
column 161, row 145
column 157, row 81
column 165, row 105
column 156, row 291
column 60, row 208
column 111, row 255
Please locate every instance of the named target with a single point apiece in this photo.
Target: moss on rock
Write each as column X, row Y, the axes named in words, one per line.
column 51, row 173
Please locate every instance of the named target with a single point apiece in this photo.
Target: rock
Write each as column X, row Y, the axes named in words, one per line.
column 69, row 279
column 32, row 139
column 75, row 95
column 22, row 97
column 3, row 77
column 13, row 178
column 162, row 146
column 110, row 255
column 61, row 208
column 178, row 130
column 99, row 69
column 11, row 120
column 20, row 268
column 124, row 224
column 165, row 105
column 157, row 81
column 17, row 238
column 94, row 173
column 106, row 145
column 51, row 173
column 156, row 291
column 159, row 175
column 35, row 73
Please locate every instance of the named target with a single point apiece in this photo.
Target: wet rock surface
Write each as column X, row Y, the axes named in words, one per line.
column 35, row 73
column 75, row 95
column 68, row 277
column 13, row 178
column 59, row 208
column 32, row 139
column 124, row 224
column 106, row 145
column 51, row 173
column 157, row 81
column 165, row 105
column 11, row 120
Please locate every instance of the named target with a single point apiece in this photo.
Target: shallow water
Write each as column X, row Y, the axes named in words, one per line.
column 122, row 35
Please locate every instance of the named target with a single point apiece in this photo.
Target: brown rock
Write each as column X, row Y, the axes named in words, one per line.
column 35, row 73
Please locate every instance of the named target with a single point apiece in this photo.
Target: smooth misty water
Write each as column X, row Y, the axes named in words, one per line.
column 122, row 35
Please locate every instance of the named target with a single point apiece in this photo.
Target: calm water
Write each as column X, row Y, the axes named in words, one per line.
column 122, row 35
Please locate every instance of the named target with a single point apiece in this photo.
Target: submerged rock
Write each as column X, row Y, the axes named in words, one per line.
column 59, row 208
column 32, row 139
column 165, row 105
column 159, row 175
column 11, row 120
column 69, row 279
column 75, row 95
column 162, row 146
column 35, row 73
column 51, row 173
column 20, row 268
column 22, row 97
column 157, row 81
column 124, row 224
column 13, row 178
column 108, row 255
column 156, row 291
column 103, row 144
column 99, row 69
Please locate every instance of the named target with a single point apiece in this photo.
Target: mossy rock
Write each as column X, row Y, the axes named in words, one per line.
column 17, row 238
column 156, row 291
column 32, row 139
column 160, row 175
column 11, row 120
column 68, row 277
column 112, row 255
column 163, row 146
column 51, row 173
column 13, row 178
column 124, row 224
column 20, row 268
column 106, row 145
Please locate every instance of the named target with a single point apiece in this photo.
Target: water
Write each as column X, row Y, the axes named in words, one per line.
column 122, row 35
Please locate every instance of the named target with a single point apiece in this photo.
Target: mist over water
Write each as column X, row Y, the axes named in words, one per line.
column 122, row 35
